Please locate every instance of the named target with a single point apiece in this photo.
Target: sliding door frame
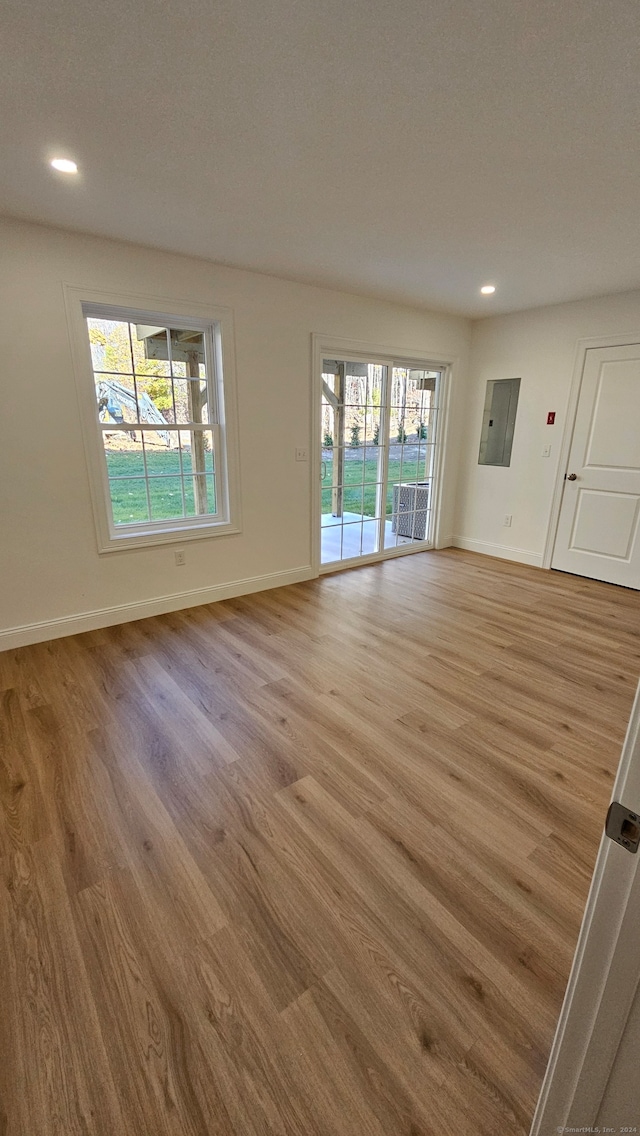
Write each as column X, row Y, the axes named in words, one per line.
column 331, row 347
column 383, row 464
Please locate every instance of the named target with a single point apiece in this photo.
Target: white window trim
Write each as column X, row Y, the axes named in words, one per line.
column 112, row 538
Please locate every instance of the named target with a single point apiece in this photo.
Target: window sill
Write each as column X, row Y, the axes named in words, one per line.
column 175, row 535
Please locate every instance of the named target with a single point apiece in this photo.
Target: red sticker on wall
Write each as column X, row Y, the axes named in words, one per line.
column 551, row 417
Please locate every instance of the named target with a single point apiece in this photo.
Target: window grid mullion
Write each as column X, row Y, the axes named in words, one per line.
column 139, row 423
column 184, row 500
column 141, row 476
column 173, row 385
column 146, row 474
column 133, row 371
column 158, row 427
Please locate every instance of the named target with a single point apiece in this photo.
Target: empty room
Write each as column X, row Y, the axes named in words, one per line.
column 320, row 567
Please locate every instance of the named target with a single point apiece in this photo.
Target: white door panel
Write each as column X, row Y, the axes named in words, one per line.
column 605, row 523
column 600, row 516
column 614, row 439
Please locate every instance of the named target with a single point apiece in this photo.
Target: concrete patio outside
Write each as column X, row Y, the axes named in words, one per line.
column 352, row 535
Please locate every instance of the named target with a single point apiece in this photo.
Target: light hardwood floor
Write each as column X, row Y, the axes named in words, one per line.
column 310, row 862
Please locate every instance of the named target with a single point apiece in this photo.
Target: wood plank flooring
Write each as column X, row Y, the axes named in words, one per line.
column 310, row 862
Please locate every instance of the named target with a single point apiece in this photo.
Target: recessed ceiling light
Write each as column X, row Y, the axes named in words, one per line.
column 64, row 165
column 488, row 289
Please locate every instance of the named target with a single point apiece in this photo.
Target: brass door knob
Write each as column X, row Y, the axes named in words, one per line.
column 572, row 477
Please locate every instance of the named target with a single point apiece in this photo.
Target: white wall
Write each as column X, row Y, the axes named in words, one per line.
column 50, row 570
column 540, row 346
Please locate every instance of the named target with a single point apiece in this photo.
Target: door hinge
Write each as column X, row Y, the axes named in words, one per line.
column 623, row 826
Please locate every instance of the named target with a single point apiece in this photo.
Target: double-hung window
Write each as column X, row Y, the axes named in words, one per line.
column 160, row 451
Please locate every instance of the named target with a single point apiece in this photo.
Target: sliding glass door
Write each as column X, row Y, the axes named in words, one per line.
column 353, row 458
column 379, row 438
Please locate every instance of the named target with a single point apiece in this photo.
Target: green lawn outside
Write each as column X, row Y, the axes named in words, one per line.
column 129, row 498
column 127, row 463
column 359, row 498
column 128, row 493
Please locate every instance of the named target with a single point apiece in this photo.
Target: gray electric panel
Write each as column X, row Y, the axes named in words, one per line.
column 499, row 421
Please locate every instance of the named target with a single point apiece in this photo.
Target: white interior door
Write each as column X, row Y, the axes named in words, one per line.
column 587, row 1087
column 600, row 513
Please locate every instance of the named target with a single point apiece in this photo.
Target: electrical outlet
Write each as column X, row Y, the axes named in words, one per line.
column 546, row 451
column 301, row 454
column 180, row 557
column 508, row 517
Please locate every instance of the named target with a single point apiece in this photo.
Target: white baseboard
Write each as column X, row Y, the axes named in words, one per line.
column 125, row 613
column 504, row 551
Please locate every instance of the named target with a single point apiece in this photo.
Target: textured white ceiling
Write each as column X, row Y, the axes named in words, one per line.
column 408, row 149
